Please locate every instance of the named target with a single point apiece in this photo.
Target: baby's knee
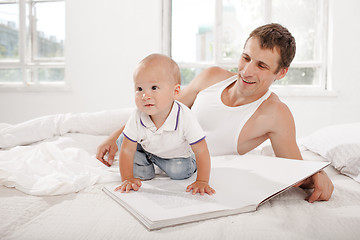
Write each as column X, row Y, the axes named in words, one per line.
column 142, row 167
column 179, row 170
column 144, row 172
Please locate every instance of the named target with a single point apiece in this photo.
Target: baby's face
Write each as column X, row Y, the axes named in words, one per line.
column 155, row 90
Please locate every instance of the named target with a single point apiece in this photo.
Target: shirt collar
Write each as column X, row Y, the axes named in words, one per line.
column 170, row 124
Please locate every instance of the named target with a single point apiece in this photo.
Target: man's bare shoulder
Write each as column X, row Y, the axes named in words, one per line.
column 273, row 103
column 272, row 118
column 275, row 111
column 209, row 77
column 279, row 125
column 205, row 79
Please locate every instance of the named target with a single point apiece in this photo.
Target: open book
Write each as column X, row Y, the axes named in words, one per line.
column 242, row 184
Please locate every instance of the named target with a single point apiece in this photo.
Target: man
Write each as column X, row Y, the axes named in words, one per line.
column 238, row 112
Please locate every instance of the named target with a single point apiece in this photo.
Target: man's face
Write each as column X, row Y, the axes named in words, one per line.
column 257, row 68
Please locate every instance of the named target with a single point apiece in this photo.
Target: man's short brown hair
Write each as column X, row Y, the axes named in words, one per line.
column 274, row 35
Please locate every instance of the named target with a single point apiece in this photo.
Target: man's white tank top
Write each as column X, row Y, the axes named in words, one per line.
column 222, row 124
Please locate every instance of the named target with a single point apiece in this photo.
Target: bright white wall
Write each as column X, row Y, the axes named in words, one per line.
column 105, row 40
column 312, row 113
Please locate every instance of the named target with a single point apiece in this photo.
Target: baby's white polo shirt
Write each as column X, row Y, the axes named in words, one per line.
column 173, row 139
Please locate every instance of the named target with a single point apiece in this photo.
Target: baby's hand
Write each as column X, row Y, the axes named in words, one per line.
column 127, row 185
column 200, row 187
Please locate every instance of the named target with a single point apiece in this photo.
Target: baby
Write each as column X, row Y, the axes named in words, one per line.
column 162, row 131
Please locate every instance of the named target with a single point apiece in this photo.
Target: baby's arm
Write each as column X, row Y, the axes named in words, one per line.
column 126, row 161
column 201, row 185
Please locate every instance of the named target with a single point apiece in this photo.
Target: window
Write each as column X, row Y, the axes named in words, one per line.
column 32, row 35
column 203, row 33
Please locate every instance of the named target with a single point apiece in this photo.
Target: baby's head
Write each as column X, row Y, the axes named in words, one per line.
column 157, row 83
column 162, row 65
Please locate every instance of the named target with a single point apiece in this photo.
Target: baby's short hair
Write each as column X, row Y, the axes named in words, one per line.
column 168, row 62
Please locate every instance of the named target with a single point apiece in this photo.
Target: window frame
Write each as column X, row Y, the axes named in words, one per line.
column 27, row 60
column 321, row 89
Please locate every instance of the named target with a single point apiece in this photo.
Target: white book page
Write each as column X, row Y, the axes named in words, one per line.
column 163, row 198
column 239, row 181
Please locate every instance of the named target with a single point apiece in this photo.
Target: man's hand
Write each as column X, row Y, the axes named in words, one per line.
column 200, row 187
column 129, row 184
column 322, row 185
column 110, row 147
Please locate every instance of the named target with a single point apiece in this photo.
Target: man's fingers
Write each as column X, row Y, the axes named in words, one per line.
column 104, row 162
column 112, row 153
column 111, row 157
column 100, row 154
column 299, row 184
column 110, row 162
column 314, row 196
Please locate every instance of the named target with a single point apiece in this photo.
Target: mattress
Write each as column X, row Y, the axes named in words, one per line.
column 62, row 211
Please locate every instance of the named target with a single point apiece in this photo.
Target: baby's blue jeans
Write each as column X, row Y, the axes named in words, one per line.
column 175, row 168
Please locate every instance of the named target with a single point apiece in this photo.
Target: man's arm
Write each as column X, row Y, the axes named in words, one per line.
column 283, row 140
column 205, row 79
column 110, row 147
column 281, row 131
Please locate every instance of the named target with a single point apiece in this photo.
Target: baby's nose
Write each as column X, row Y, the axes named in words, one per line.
column 145, row 96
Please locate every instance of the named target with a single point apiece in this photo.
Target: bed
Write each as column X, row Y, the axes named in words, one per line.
column 51, row 187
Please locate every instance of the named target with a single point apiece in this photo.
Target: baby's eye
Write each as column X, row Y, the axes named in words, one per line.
column 154, row 87
column 139, row 89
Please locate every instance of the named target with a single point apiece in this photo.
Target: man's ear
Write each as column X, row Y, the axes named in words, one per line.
column 177, row 90
column 282, row 73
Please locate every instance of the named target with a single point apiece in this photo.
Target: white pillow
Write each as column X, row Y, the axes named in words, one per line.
column 340, row 144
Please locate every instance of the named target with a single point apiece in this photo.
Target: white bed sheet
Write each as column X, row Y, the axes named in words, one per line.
column 91, row 214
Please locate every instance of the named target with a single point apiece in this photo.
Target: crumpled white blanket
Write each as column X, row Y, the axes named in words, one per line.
column 56, row 160
column 98, row 123
column 45, row 169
